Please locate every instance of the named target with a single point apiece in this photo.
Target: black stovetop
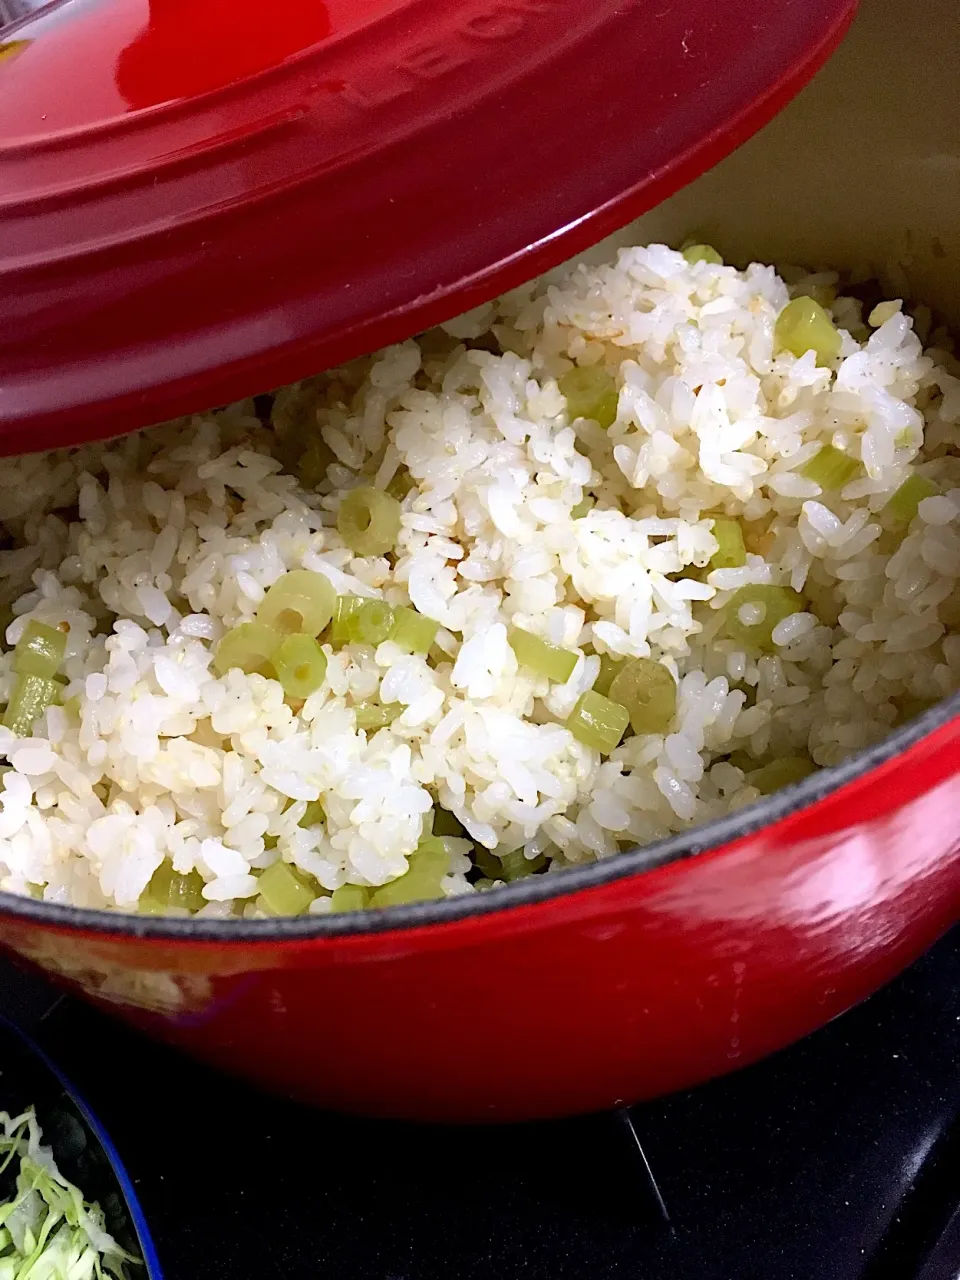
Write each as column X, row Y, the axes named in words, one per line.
column 838, row 1159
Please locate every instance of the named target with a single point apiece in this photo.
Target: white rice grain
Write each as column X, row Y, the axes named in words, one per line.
column 147, row 550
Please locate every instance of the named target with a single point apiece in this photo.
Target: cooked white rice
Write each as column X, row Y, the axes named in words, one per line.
column 150, row 547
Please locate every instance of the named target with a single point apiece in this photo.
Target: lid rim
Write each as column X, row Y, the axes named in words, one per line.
column 109, row 353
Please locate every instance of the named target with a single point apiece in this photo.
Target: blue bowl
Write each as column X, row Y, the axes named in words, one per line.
column 81, row 1146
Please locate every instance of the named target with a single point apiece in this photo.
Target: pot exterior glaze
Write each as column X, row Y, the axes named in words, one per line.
column 648, row 972
column 585, row 1000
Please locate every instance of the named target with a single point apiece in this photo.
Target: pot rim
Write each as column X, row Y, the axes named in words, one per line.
column 530, row 891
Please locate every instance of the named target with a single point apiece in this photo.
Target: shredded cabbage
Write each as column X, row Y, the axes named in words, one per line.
column 47, row 1230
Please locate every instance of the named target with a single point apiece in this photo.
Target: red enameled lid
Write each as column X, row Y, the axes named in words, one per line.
column 201, row 199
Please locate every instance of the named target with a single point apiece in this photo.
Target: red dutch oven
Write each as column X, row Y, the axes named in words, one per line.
column 646, row 972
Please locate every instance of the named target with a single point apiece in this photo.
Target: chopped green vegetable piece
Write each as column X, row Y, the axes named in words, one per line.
column 301, row 666
column 374, row 461
column 373, row 715
column 446, row 824
column 313, row 814
column 412, row 632
column 488, row 863
column 431, row 857
column 39, row 650
column 410, row 887
column 781, row 773
column 147, row 907
column 345, row 606
column 648, row 691
column 350, row 897
column 285, row 890
column 597, row 722
column 730, row 552
column 299, row 602
column 804, row 326
column 541, row 657
column 517, row 866
column 170, row 888
column 250, row 646
column 890, row 540
column 773, row 605
column 401, row 484
column 514, row 865
column 370, row 623
column 583, row 506
column 590, row 392
column 702, row 253
column 883, row 312
column 830, row 468
column 902, row 507
column 369, row 521
column 47, row 1230
column 314, row 462
column 609, row 666
column 29, row 699
column 429, row 863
